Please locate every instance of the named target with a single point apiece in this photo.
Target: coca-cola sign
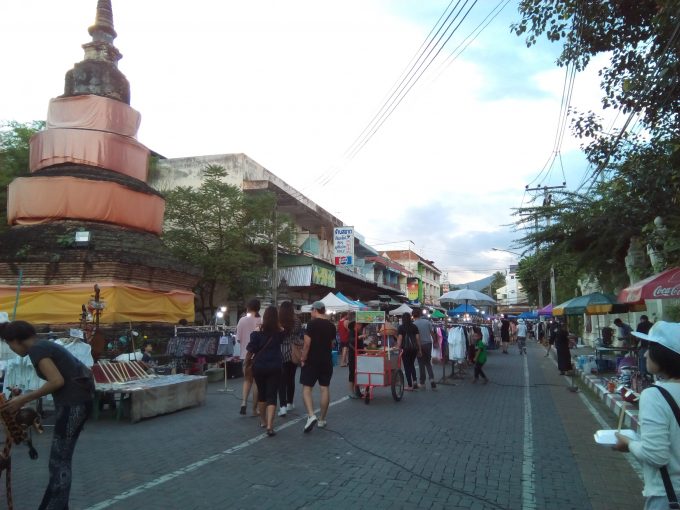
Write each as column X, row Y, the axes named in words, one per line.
column 661, row 291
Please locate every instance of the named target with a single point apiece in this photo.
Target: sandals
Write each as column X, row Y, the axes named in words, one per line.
column 242, row 410
column 271, row 432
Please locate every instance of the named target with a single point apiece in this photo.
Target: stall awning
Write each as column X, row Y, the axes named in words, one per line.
column 664, row 285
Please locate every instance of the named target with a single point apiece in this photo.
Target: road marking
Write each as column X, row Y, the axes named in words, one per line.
column 637, row 467
column 528, row 472
column 195, row 465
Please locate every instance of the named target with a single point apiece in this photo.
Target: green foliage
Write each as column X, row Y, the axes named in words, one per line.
column 637, row 36
column 14, row 150
column 533, row 269
column 226, row 233
column 497, row 282
column 639, row 176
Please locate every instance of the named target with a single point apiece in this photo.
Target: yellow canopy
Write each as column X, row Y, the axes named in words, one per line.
column 61, row 304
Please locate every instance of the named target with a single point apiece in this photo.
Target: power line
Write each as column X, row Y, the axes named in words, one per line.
column 405, row 87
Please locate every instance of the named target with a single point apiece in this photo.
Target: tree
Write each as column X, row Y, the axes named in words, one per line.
column 226, row 233
column 641, row 38
column 497, row 282
column 638, row 172
column 14, row 154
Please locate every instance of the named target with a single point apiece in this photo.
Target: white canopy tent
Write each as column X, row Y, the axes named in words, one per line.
column 333, row 304
column 403, row 308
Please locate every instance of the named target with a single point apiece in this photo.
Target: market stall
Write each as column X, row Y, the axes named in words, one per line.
column 377, row 366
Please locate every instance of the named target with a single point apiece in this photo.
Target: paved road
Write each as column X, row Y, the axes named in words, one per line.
column 504, row 445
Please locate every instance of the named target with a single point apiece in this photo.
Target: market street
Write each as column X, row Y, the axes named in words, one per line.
column 498, row 446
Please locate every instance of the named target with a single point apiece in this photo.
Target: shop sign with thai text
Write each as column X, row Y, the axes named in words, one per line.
column 343, row 246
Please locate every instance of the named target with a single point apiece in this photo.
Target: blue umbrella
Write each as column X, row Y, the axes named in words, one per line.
column 532, row 316
column 461, row 309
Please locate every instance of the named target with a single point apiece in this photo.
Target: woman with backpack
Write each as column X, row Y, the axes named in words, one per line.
column 658, row 448
column 408, row 340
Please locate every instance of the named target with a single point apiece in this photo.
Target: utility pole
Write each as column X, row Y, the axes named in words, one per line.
column 547, row 201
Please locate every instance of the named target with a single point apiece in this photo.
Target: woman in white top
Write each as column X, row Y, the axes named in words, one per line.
column 659, row 443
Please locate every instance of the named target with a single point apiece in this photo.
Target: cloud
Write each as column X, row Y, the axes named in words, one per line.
column 292, row 84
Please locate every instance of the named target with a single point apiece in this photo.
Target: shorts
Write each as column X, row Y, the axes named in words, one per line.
column 311, row 374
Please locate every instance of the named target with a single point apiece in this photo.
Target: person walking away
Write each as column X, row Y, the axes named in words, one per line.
column 408, row 339
column 317, row 364
column 427, row 334
column 246, row 325
column 658, row 447
column 624, row 333
column 541, row 332
column 643, row 327
column 513, row 331
column 522, row 337
column 265, row 350
column 71, row 385
column 356, row 332
column 480, row 356
column 562, row 348
column 553, row 328
column 505, row 334
column 292, row 334
column 343, row 334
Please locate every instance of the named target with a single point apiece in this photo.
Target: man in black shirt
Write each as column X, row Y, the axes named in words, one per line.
column 317, row 363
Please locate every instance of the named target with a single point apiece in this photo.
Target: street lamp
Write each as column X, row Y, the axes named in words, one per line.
column 507, row 251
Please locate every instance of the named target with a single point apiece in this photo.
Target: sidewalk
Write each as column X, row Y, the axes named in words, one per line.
column 612, row 400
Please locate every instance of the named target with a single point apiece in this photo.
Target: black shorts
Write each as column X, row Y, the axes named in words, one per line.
column 311, row 374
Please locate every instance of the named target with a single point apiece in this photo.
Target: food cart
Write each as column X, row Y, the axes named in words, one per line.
column 380, row 366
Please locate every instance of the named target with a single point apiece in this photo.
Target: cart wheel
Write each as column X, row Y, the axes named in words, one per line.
column 397, row 384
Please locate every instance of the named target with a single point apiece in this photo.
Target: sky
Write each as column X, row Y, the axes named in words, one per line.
column 293, row 84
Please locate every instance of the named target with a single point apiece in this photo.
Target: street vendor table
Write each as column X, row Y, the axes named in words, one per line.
column 155, row 396
column 601, row 351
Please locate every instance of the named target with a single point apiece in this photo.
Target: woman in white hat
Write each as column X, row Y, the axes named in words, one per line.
column 658, row 449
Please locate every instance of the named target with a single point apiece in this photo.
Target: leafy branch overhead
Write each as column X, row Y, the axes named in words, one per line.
column 635, row 173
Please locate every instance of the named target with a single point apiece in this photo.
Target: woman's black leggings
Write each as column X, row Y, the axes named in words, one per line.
column 287, row 384
column 409, row 359
column 69, row 423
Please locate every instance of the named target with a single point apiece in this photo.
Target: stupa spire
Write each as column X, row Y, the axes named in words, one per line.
column 98, row 72
column 102, row 30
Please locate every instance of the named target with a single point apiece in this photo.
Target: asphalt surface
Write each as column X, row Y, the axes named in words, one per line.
column 504, row 445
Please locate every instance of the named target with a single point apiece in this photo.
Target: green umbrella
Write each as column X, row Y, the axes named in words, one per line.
column 437, row 315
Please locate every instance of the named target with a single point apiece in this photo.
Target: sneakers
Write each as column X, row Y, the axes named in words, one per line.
column 290, row 407
column 242, row 410
column 311, row 421
column 321, row 424
column 283, row 411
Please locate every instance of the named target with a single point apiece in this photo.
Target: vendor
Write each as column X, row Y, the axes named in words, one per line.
column 72, row 387
column 356, row 331
column 147, row 349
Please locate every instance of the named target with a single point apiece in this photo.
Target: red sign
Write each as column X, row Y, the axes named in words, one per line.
column 665, row 285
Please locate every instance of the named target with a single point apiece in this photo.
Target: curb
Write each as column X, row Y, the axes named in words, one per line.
column 613, row 401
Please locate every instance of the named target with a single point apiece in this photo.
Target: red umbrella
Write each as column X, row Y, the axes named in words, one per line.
column 665, row 285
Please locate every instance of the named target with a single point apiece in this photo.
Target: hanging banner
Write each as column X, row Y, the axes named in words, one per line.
column 412, row 289
column 372, row 317
column 343, row 246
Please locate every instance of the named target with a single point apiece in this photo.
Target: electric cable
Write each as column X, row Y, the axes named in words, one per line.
column 406, row 88
column 399, row 83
